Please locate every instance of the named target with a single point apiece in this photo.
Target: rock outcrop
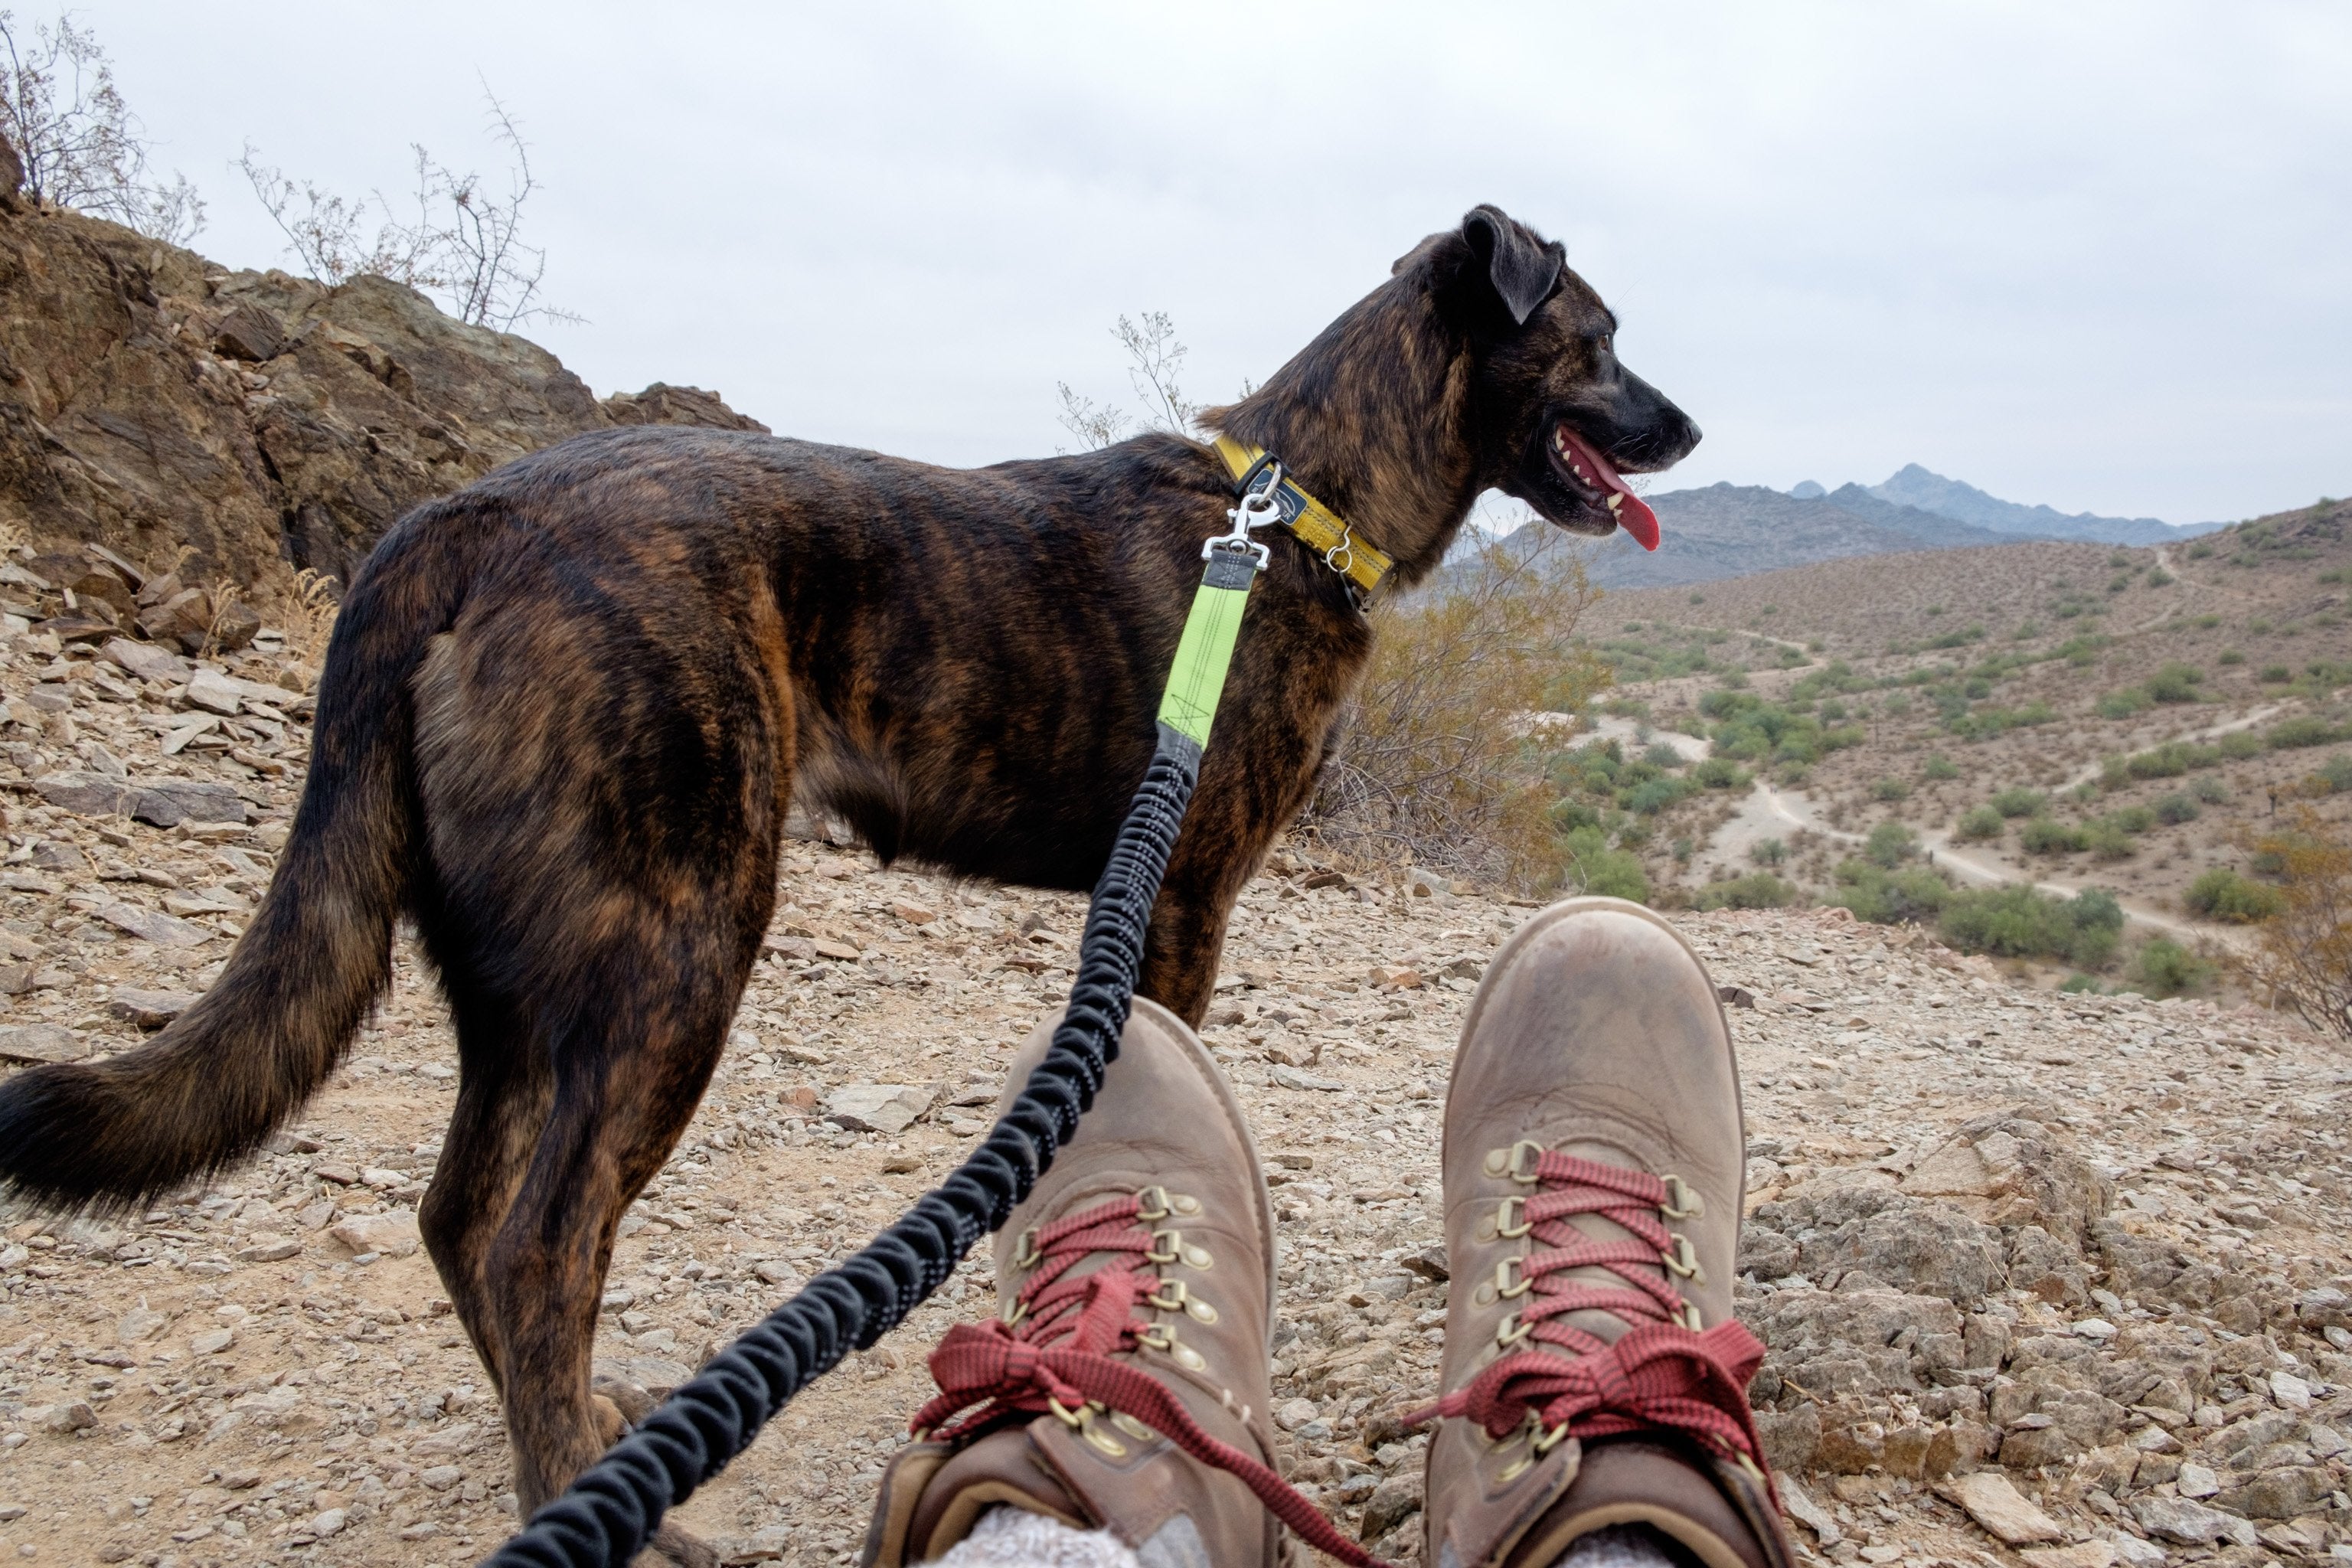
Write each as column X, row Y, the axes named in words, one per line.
column 239, row 426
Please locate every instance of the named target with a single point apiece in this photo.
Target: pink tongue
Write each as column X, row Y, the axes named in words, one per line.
column 1633, row 514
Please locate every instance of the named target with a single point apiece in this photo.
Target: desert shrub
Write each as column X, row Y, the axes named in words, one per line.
column 2076, row 984
column 1721, row 772
column 2229, row 656
column 1768, row 851
column 2017, row 922
column 2211, row 791
column 2175, row 682
column 2108, row 839
column 2124, row 702
column 2304, row 959
column 1661, row 756
column 2020, row 802
column 1430, row 761
column 2158, row 577
column 2048, row 835
column 2239, row 746
column 1890, row 790
column 1889, row 844
column 1939, row 768
column 2174, row 809
column 2275, row 675
column 2221, row 894
column 2302, row 730
column 1981, row 822
column 1590, row 866
column 1756, row 890
column 2133, row 818
column 2333, row 776
column 1652, row 797
column 1910, row 895
column 2163, row 967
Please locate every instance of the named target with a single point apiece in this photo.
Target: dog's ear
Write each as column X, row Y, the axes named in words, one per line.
column 1523, row 269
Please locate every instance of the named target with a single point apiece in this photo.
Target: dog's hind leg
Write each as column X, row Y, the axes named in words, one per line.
column 505, row 1089
column 631, row 1060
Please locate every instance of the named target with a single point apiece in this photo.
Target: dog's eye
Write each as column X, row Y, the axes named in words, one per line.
column 1607, row 344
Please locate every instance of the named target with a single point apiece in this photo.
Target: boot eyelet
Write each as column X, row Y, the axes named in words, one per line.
column 1103, row 1441
column 1173, row 1241
column 1483, row 1295
column 1132, row 1427
column 1171, row 1297
column 1549, row 1440
column 1514, row 1469
column 1693, row 1318
column 1681, row 1202
column 1200, row 1312
column 1504, row 1289
column 1486, row 1231
column 1683, row 1259
column 1024, row 1253
column 1184, row 1202
column 1197, row 1256
column 1503, row 1226
column 1188, row 1359
column 1158, row 1337
column 1498, row 1163
column 1510, row 1331
column 1524, row 1155
column 1013, row 1311
column 1152, row 1204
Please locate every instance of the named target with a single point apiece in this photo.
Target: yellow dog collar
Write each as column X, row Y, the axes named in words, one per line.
column 1322, row 530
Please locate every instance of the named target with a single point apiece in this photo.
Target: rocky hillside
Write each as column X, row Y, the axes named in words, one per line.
column 154, row 402
column 2047, row 1282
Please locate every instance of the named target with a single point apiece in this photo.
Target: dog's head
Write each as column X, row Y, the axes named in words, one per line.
column 1555, row 416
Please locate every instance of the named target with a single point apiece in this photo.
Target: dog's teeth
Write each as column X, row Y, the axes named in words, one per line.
column 1616, row 502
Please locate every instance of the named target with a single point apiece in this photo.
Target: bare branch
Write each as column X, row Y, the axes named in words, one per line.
column 80, row 144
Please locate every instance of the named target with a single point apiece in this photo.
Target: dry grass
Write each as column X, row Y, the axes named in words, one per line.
column 2302, row 960
column 310, row 612
column 1432, row 768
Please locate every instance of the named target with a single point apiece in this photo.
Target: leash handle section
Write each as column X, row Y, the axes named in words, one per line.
column 614, row 1507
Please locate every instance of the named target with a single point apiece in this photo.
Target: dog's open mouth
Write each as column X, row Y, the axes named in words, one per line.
column 1599, row 486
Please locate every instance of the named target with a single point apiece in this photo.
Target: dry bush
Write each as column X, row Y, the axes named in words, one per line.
column 465, row 245
column 78, row 142
column 1435, row 765
column 2304, row 955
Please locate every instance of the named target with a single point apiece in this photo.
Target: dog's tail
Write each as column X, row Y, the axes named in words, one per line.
column 213, row 1086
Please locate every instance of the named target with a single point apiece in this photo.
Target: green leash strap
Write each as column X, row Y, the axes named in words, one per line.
column 1205, row 652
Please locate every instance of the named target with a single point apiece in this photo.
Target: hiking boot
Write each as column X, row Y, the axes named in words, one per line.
column 1124, row 1383
column 1594, row 1374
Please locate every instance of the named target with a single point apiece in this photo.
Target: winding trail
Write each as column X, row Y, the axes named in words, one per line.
column 1766, row 805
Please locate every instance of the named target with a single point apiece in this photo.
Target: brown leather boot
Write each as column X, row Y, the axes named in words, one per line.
column 1595, row 1160
column 1124, row 1383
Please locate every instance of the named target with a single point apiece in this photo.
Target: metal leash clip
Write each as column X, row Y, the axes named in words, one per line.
column 1256, row 509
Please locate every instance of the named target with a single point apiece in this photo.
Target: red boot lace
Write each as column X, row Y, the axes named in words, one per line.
column 1661, row 1373
column 1057, row 1356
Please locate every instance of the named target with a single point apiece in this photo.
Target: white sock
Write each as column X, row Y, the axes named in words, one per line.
column 1007, row 1537
column 1619, row 1546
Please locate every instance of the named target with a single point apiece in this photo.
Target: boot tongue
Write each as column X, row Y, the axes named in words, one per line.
column 1633, row 513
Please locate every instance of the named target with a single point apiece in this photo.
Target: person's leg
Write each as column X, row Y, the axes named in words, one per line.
column 1594, row 1377
column 1115, row 1411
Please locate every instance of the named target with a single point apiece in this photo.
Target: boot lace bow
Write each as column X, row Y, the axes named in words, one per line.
column 1056, row 1352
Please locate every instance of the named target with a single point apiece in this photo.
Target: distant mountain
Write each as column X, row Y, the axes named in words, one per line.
column 1730, row 531
column 1918, row 488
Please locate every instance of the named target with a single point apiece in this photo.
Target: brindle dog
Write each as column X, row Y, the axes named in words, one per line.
column 563, row 711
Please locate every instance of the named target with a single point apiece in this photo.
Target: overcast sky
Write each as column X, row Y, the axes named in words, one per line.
column 2093, row 255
